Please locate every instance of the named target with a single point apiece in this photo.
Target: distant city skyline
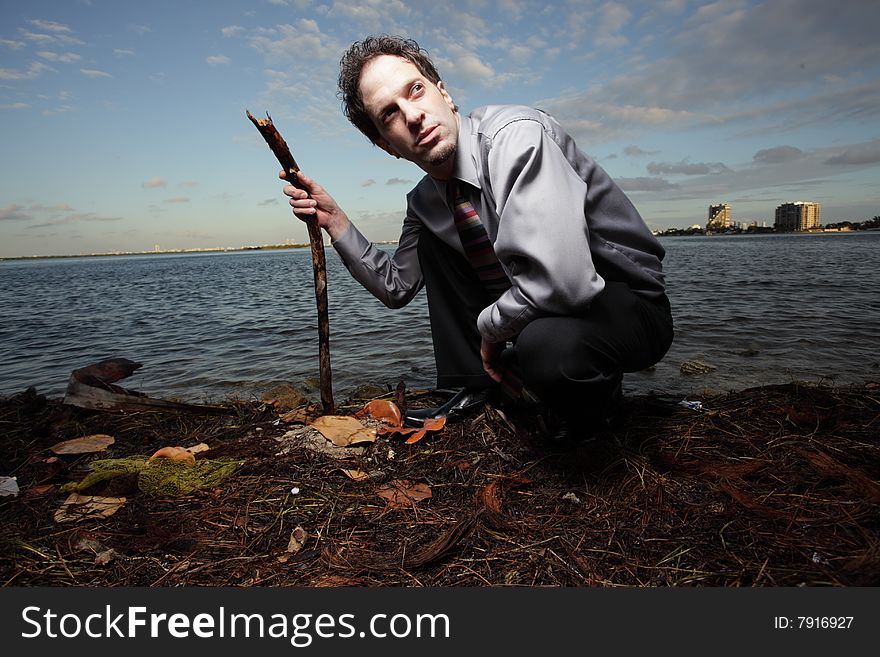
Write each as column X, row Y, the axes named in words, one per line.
column 123, row 123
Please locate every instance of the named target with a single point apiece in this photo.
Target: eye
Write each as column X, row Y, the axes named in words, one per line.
column 417, row 89
column 388, row 113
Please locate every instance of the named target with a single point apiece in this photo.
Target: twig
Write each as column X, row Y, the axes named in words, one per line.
column 282, row 153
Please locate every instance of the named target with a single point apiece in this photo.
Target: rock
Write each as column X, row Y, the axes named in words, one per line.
column 695, row 368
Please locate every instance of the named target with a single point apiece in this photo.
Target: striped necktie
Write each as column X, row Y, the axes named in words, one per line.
column 476, row 243
column 481, row 254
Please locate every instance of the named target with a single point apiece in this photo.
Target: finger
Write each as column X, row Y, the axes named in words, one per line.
column 295, row 192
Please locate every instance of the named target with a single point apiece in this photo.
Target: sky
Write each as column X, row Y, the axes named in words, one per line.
column 123, row 123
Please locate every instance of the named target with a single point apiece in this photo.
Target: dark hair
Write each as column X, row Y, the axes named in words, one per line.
column 352, row 64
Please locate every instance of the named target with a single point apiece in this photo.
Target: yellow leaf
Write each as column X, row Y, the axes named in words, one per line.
column 343, row 431
column 85, row 445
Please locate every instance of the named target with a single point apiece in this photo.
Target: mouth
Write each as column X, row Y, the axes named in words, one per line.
column 426, row 135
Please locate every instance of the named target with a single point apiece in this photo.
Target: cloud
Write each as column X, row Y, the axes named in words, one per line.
column 686, row 168
column 778, row 154
column 612, row 18
column 14, row 212
column 645, row 184
column 368, row 183
column 268, row 201
column 34, row 70
column 140, row 29
column 73, row 218
column 15, row 106
column 215, row 60
column 232, row 30
column 122, row 52
column 472, row 68
column 94, row 73
column 154, row 183
column 89, row 216
column 51, row 26
column 635, row 151
column 58, row 207
column 398, row 181
column 868, row 153
column 13, row 45
column 177, row 199
column 64, row 57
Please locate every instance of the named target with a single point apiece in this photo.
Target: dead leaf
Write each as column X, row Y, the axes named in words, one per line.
column 314, row 442
column 8, row 486
column 356, row 475
column 198, row 449
column 415, row 434
column 174, row 454
column 360, row 475
column 402, row 493
column 343, row 431
column 85, row 445
column 82, row 507
column 381, row 409
column 105, row 557
column 298, row 539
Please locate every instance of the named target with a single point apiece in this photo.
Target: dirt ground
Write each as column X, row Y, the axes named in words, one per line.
column 770, row 486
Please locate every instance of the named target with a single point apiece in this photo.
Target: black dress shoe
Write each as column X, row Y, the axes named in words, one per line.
column 570, row 430
column 462, row 403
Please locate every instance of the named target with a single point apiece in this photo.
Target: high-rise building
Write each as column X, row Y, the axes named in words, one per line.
column 719, row 217
column 797, row 216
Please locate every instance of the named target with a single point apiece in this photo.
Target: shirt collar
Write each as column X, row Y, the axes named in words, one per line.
column 465, row 160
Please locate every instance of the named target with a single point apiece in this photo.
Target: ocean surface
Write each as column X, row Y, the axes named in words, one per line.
column 759, row 309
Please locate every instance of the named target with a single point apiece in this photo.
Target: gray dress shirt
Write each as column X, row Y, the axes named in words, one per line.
column 559, row 224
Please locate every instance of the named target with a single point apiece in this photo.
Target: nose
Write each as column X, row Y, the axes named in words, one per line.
column 412, row 113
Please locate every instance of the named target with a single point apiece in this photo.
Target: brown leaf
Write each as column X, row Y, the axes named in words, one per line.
column 402, row 493
column 356, row 475
column 415, row 434
column 343, row 431
column 85, row 445
column 80, row 507
column 297, row 540
column 381, row 409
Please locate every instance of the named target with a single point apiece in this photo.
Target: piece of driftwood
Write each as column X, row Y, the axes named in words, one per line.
column 282, row 153
column 93, row 387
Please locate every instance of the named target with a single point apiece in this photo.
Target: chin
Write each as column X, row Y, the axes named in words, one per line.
column 441, row 154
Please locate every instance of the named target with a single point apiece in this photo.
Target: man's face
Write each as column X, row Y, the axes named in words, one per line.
column 416, row 118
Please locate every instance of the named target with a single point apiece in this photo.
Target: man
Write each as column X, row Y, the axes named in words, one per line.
column 555, row 283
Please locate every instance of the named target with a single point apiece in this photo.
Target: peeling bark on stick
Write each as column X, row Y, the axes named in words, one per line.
column 282, row 153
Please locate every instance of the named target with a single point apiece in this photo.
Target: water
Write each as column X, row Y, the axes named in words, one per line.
column 761, row 309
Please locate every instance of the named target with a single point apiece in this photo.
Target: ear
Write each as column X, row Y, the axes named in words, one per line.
column 446, row 96
column 385, row 146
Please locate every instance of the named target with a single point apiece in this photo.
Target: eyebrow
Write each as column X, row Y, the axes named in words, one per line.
column 404, row 87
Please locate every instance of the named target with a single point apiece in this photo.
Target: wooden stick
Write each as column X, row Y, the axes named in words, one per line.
column 282, row 152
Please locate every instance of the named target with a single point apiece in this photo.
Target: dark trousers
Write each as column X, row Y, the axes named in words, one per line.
column 572, row 363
